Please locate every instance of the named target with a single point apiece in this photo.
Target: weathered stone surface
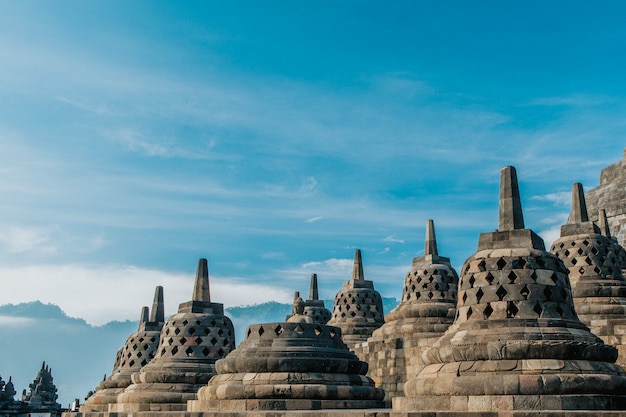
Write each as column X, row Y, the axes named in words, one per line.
column 394, row 352
column 358, row 307
column 139, row 349
column 190, row 343
column 289, row 365
column 516, row 342
column 594, row 262
column 610, row 195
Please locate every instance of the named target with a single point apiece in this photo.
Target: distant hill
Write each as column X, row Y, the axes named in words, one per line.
column 80, row 354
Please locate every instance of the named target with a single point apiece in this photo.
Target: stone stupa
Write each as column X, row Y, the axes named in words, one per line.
column 314, row 307
column 293, row 365
column 139, row 349
column 595, row 273
column 42, row 395
column 516, row 342
column 191, row 341
column 358, row 307
column 426, row 311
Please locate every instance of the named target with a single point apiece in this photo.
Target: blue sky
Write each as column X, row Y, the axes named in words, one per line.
column 274, row 138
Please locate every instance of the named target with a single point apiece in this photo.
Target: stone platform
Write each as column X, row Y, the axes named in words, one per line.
column 359, row 413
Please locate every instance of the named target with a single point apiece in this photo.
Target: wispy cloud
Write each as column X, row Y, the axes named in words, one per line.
column 313, row 219
column 393, row 239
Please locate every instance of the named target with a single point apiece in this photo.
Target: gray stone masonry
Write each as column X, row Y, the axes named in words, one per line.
column 358, row 307
column 139, row 349
column 595, row 272
column 190, row 343
column 516, row 342
column 610, row 195
column 394, row 352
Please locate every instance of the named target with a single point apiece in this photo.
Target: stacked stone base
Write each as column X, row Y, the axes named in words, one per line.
column 280, row 405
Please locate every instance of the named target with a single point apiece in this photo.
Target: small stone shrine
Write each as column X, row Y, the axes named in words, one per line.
column 358, row 307
column 620, row 252
column 610, row 195
column 294, row 365
column 595, row 274
column 191, row 341
column 426, row 311
column 7, row 396
column 139, row 349
column 314, row 307
column 516, row 342
column 42, row 396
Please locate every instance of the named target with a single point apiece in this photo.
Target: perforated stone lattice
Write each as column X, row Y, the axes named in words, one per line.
column 507, row 287
column 588, row 256
column 317, row 314
column 431, row 283
column 211, row 337
column 139, row 349
column 365, row 304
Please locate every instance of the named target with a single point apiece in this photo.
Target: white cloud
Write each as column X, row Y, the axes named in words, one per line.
column 20, row 240
column 393, row 239
column 313, row 219
column 561, row 198
column 13, row 321
column 101, row 293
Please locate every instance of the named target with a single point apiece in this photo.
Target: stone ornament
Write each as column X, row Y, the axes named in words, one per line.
column 139, row 349
column 426, row 311
column 289, row 366
column 190, row 343
column 314, row 307
column 358, row 307
column 516, row 342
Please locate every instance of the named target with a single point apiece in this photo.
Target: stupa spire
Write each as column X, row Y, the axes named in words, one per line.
column 511, row 216
column 313, row 293
column 143, row 318
column 157, row 315
column 579, row 207
column 357, row 269
column 201, row 286
column 604, row 223
column 430, row 247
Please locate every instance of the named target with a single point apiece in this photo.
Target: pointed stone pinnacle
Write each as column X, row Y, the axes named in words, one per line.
column 143, row 318
column 579, row 207
column 357, row 269
column 313, row 294
column 296, row 295
column 511, row 216
column 603, row 222
column 157, row 315
column 201, row 286
column 430, row 247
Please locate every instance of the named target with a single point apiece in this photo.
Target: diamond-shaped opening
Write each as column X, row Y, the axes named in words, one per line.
column 249, row 333
column 579, row 251
column 471, row 281
column 167, row 331
column 220, row 352
column 185, row 322
column 298, row 329
column 214, row 341
column 183, row 340
column 479, row 295
column 176, row 331
column 143, row 363
column 213, row 323
column 192, row 330
column 469, row 313
column 547, row 292
column 278, row 330
column 261, row 330
column 220, row 332
column 417, row 295
column 501, row 263
column 511, row 309
column 524, row 292
column 585, row 242
column 412, row 288
column 140, row 339
column 332, row 333
column 358, row 306
column 464, row 298
column 318, row 330
column 596, row 270
column 198, row 322
column 353, row 314
column 131, row 363
column 533, row 276
column 174, row 350
column 153, row 339
column 430, row 294
column 501, row 292
column 559, row 310
column 487, row 311
column 594, row 250
column 512, row 277
column 588, row 261
column 554, row 277
column 206, row 351
column 482, row 265
column 574, row 261
column 521, row 263
column 581, row 270
column 541, row 263
column 170, row 341
column 566, row 252
column 198, row 341
column 225, row 342
column 189, row 351
column 162, row 351
column 134, row 347
column 139, row 354
column 145, row 346
column 537, row 308
column 425, row 286
column 490, row 278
